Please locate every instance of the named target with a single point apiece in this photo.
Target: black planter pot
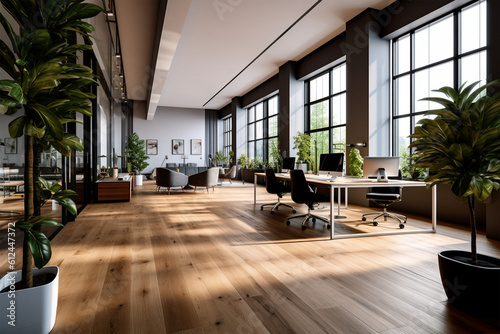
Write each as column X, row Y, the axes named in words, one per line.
column 472, row 287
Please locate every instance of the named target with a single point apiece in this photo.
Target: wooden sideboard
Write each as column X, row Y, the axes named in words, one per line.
column 111, row 189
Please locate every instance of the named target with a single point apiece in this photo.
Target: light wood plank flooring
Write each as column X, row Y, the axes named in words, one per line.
column 214, row 263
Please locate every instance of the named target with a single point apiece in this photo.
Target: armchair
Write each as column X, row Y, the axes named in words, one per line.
column 169, row 178
column 205, row 179
column 231, row 174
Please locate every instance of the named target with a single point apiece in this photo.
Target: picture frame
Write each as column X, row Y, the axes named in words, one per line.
column 10, row 145
column 152, row 146
column 178, row 146
column 196, row 148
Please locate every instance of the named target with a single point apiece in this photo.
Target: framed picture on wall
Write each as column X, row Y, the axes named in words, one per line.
column 178, row 146
column 10, row 145
column 195, row 146
column 152, row 146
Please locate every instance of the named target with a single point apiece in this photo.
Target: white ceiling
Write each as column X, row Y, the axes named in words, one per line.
column 206, row 44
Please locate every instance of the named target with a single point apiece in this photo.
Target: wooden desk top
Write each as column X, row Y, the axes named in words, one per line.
column 11, row 183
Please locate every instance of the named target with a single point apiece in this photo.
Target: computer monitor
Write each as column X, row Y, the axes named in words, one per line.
column 381, row 167
column 331, row 164
column 288, row 164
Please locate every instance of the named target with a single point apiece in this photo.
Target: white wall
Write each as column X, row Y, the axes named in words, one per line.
column 171, row 123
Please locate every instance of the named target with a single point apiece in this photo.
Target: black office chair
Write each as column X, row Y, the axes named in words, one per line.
column 385, row 196
column 303, row 194
column 274, row 186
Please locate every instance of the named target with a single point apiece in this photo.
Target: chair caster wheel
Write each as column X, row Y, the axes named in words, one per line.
column 363, row 219
column 303, row 227
column 313, row 220
column 294, row 211
column 375, row 223
column 272, row 212
column 401, row 226
column 287, row 223
column 328, row 226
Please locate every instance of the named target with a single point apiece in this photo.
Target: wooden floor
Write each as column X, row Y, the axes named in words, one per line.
column 214, row 263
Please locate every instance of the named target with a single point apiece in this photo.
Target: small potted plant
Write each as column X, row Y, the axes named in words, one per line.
column 355, row 163
column 136, row 156
column 461, row 147
column 302, row 143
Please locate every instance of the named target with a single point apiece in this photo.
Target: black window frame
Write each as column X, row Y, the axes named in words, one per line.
column 455, row 58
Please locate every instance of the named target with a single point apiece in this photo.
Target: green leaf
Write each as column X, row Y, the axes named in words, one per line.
column 13, row 90
column 33, row 131
column 16, row 127
column 40, row 247
column 7, row 60
column 54, row 126
column 81, row 11
column 68, row 203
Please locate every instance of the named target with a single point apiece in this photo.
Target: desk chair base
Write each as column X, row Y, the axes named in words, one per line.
column 400, row 218
column 276, row 205
column 308, row 216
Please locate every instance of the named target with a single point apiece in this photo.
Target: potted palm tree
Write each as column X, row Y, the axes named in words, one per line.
column 48, row 87
column 461, row 147
column 136, row 156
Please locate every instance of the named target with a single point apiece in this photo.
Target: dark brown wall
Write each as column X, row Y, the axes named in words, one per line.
column 265, row 89
column 404, row 15
column 322, row 58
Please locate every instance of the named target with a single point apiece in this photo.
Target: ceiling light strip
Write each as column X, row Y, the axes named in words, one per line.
column 267, row 48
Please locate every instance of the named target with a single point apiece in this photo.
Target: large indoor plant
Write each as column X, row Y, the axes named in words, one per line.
column 461, row 147
column 48, row 87
column 136, row 156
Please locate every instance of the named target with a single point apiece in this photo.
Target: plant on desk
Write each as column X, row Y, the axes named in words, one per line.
column 355, row 163
column 461, row 147
column 275, row 157
column 302, row 143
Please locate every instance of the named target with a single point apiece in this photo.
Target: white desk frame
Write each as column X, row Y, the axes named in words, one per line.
column 360, row 183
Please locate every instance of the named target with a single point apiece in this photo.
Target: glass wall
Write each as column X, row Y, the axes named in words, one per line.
column 449, row 51
column 326, row 112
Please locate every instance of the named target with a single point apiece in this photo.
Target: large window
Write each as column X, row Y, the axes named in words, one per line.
column 447, row 52
column 262, row 128
column 227, row 128
column 326, row 112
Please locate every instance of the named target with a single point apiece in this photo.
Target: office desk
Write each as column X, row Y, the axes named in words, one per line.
column 8, row 184
column 353, row 182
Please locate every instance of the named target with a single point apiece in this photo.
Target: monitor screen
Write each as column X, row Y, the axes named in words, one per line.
column 331, row 164
column 288, row 164
column 372, row 167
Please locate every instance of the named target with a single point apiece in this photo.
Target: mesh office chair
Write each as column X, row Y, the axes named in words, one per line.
column 303, row 194
column 385, row 196
column 274, row 186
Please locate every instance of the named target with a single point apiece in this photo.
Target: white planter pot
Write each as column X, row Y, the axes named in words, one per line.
column 138, row 179
column 33, row 309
